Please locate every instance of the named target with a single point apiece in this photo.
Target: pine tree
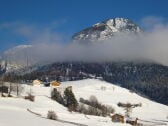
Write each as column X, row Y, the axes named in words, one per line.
column 70, row 100
column 55, row 95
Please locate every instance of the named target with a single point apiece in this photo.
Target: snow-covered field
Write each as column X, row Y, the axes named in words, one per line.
column 13, row 111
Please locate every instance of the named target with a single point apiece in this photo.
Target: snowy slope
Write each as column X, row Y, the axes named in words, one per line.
column 114, row 94
column 15, row 109
column 14, row 113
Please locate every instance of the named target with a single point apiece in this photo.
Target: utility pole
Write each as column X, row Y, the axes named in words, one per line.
column 28, row 69
column 2, row 79
column 1, row 86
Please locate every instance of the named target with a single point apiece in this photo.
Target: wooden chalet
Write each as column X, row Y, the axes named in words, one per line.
column 117, row 118
column 132, row 122
column 55, row 83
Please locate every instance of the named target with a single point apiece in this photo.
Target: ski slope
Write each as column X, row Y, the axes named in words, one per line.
column 13, row 111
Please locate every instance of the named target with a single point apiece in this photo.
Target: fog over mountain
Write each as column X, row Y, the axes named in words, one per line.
column 144, row 46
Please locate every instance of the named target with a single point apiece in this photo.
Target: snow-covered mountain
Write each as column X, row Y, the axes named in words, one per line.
column 107, row 29
column 16, row 49
column 15, row 58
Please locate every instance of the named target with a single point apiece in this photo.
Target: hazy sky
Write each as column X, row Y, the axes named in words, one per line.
column 24, row 21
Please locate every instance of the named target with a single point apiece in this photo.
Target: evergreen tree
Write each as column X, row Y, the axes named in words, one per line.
column 70, row 100
column 55, row 95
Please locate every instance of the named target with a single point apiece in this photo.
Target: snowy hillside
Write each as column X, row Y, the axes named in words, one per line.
column 107, row 29
column 114, row 94
column 15, row 58
column 14, row 110
column 16, row 49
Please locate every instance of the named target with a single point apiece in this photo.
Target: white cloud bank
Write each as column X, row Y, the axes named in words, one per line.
column 149, row 46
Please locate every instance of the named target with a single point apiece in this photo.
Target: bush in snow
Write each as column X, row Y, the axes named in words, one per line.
column 94, row 111
column 94, row 107
column 110, row 109
column 82, row 108
column 52, row 115
column 120, row 104
column 89, row 110
column 106, row 110
column 103, row 88
column 30, row 97
column 93, row 100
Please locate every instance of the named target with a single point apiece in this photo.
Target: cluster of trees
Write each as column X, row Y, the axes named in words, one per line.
column 68, row 99
column 94, row 107
column 9, row 86
column 89, row 107
column 12, row 77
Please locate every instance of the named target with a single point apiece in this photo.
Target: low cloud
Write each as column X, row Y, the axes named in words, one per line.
column 153, row 22
column 150, row 46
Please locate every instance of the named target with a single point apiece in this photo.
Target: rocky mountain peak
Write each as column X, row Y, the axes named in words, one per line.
column 107, row 29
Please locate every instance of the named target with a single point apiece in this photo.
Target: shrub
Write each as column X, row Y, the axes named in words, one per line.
column 110, row 109
column 95, row 108
column 94, row 111
column 129, row 105
column 30, row 97
column 103, row 88
column 52, row 115
column 82, row 108
column 93, row 100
